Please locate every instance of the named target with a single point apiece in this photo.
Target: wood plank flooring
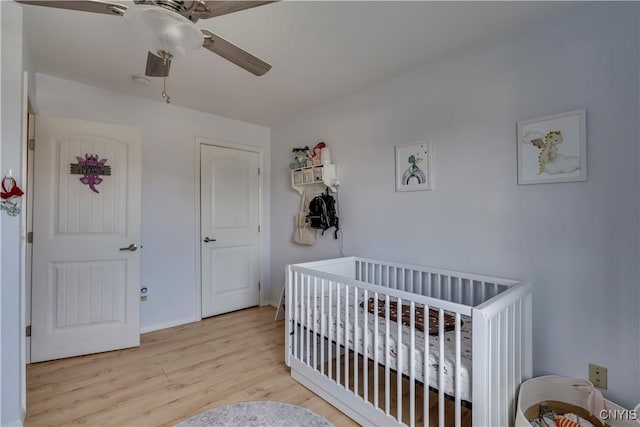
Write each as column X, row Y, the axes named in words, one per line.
column 174, row 374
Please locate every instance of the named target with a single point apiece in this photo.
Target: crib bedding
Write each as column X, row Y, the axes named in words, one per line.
column 321, row 302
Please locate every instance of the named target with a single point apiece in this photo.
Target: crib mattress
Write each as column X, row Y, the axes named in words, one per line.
column 338, row 332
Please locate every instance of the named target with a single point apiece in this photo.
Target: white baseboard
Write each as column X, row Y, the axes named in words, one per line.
column 169, row 324
column 15, row 423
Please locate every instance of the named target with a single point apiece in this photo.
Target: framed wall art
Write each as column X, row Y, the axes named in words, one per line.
column 413, row 167
column 552, row 148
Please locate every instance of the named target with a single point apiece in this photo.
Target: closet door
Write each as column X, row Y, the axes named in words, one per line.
column 230, row 201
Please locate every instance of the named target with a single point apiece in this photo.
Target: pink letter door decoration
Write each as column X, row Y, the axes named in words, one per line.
column 90, row 168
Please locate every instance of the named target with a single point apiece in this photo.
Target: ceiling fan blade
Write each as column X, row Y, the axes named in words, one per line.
column 156, row 66
column 81, row 5
column 217, row 8
column 235, row 54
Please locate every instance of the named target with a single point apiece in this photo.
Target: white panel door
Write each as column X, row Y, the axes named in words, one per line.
column 230, row 200
column 86, row 230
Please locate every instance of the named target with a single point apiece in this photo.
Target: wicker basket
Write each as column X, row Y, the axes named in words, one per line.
column 564, row 395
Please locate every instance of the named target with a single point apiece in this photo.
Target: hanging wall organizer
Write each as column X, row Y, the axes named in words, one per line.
column 10, row 196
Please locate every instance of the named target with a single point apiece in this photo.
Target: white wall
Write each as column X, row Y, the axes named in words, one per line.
column 10, row 154
column 168, row 184
column 577, row 243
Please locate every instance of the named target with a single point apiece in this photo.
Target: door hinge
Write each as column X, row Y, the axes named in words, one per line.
column 28, row 331
column 32, row 144
column 258, row 229
column 258, row 171
column 30, row 237
column 259, row 286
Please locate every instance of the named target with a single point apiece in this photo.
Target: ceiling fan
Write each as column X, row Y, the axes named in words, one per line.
column 168, row 27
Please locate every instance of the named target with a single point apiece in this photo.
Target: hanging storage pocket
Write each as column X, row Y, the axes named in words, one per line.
column 303, row 234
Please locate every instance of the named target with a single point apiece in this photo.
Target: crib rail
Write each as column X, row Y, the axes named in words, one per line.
column 502, row 345
column 378, row 371
column 323, row 306
column 462, row 288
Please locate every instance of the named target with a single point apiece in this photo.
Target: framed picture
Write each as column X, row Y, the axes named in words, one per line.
column 413, row 167
column 553, row 148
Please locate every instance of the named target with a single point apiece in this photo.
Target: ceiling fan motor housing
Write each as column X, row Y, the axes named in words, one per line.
column 188, row 9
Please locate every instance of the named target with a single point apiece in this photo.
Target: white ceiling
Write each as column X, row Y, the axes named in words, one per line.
column 320, row 51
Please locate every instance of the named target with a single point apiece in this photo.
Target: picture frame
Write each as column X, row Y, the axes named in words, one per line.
column 552, row 148
column 413, row 166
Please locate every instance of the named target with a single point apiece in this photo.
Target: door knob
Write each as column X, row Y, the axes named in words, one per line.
column 132, row 247
column 207, row 240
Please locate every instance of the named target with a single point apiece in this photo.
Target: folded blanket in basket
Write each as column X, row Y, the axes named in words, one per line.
column 449, row 320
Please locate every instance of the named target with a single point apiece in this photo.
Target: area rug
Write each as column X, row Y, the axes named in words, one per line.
column 257, row 414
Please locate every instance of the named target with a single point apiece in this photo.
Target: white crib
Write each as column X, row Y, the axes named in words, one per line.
column 369, row 366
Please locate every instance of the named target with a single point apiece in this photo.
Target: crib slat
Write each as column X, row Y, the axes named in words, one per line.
column 355, row 340
column 366, row 272
column 458, row 371
column 484, row 291
column 303, row 316
column 346, row 337
column 506, row 360
column 387, row 347
column 376, row 342
column 399, row 360
column 365, row 344
column 338, row 340
column 497, row 364
column 388, row 284
column 315, row 323
column 412, row 368
column 308, row 320
column 330, row 326
column 426, row 375
column 296, row 314
column 518, row 343
column 323, row 332
column 511, row 351
column 441, row 368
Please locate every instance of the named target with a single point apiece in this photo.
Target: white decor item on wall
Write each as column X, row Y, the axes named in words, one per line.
column 553, row 148
column 413, row 167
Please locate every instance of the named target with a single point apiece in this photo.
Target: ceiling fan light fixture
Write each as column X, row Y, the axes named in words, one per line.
column 141, row 80
column 164, row 30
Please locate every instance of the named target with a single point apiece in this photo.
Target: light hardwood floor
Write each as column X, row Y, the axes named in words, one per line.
column 173, row 375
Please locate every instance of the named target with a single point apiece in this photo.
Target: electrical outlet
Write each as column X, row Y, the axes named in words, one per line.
column 598, row 376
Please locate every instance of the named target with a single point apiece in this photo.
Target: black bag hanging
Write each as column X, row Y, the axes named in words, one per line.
column 322, row 213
